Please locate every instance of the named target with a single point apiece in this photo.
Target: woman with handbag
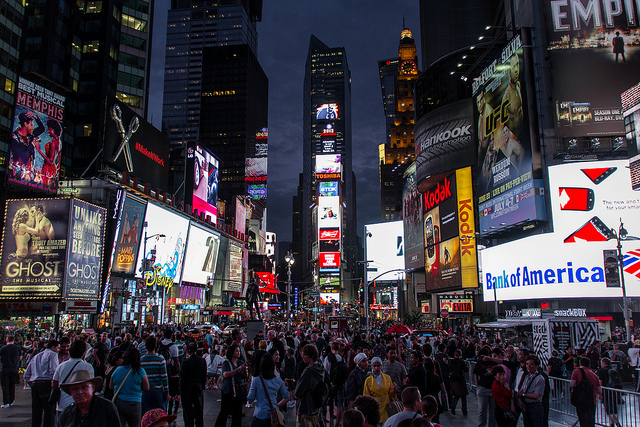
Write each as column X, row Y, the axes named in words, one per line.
column 234, row 394
column 502, row 395
column 458, row 369
column 435, row 386
column 379, row 386
column 264, row 390
column 129, row 381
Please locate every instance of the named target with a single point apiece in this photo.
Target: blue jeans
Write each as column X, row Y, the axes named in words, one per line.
column 153, row 399
column 534, row 415
column 257, row 422
column 486, row 408
column 454, row 403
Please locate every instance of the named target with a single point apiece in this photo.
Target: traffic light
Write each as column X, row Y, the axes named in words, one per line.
column 114, row 294
column 126, row 294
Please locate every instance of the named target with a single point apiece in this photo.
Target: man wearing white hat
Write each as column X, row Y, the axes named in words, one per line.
column 87, row 409
column 357, row 377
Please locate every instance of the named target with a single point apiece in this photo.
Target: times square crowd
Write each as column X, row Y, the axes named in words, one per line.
column 328, row 378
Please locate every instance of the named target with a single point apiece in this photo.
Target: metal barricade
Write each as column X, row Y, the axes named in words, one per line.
column 625, row 404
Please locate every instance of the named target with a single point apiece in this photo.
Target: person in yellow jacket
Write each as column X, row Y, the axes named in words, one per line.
column 380, row 387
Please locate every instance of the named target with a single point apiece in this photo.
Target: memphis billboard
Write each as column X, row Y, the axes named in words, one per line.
column 449, row 233
column 35, row 148
column 507, row 191
column 593, row 50
column 133, row 145
column 588, row 202
column 445, row 140
column 412, row 220
column 202, row 180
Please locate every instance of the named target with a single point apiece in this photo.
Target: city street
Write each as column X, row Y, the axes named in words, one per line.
column 19, row 415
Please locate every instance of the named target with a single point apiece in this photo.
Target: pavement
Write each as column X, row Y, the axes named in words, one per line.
column 19, row 414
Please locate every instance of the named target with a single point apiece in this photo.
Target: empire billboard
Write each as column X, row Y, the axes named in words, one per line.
column 34, row 248
column 133, row 145
column 593, row 49
column 507, row 191
column 35, row 148
column 445, row 140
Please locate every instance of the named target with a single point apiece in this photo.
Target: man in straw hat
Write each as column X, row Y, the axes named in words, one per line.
column 87, row 409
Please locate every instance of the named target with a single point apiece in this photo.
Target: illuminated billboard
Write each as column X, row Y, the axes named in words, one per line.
column 385, row 247
column 330, row 260
column 328, row 163
column 588, row 200
column 131, row 144
column 507, row 192
column 593, row 53
column 327, row 112
column 329, row 297
column 128, row 231
column 445, row 140
column 328, row 140
column 412, row 221
column 169, row 250
column 329, row 281
column 34, row 248
column 235, row 283
column 449, row 233
column 257, row 191
column 329, row 234
column 328, row 212
column 255, row 168
column 201, row 256
column 85, row 251
column 328, row 188
column 202, row 182
column 35, row 148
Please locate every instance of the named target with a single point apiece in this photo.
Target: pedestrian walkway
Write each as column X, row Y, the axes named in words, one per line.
column 19, row 414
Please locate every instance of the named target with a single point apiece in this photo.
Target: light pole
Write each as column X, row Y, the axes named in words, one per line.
column 619, row 236
column 146, row 267
column 288, row 258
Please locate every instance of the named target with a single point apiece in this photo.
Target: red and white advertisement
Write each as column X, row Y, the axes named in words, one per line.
column 329, row 234
column 330, row 260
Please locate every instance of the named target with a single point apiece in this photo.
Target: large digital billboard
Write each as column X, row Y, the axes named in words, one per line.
column 35, row 148
column 85, row 251
column 169, row 250
column 202, row 181
column 235, row 282
column 588, row 200
column 385, row 247
column 507, row 191
column 131, row 144
column 128, row 231
column 328, row 212
column 327, row 188
column 445, row 139
column 593, row 51
column 201, row 256
column 330, row 260
column 412, row 221
column 327, row 112
column 34, row 248
column 328, row 163
column 449, row 233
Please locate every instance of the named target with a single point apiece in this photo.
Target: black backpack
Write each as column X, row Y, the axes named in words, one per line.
column 615, row 380
column 163, row 351
column 339, row 371
column 582, row 393
column 320, row 393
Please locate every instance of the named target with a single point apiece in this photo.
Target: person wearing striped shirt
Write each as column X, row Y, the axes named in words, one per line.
column 156, row 368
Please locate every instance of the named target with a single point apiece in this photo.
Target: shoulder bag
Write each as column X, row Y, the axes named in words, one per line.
column 277, row 418
column 121, row 384
column 54, row 396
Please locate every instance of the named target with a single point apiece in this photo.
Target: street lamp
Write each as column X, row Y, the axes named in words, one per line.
column 619, row 236
column 146, row 267
column 288, row 258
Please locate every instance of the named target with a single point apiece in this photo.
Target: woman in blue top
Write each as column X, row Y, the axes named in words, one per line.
column 274, row 384
column 129, row 381
column 234, row 372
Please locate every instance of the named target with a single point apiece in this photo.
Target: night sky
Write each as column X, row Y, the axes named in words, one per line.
column 369, row 30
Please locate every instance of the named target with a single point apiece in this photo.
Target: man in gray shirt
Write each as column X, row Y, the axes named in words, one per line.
column 531, row 394
column 394, row 368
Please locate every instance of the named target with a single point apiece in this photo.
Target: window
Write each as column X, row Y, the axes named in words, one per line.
column 91, row 47
column 9, row 86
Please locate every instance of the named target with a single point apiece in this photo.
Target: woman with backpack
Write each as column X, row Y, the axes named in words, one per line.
column 610, row 378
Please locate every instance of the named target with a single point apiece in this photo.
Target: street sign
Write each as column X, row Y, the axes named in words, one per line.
column 444, row 313
column 314, row 294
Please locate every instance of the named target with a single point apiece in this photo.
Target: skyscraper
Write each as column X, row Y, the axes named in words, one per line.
column 397, row 78
column 329, row 216
column 192, row 26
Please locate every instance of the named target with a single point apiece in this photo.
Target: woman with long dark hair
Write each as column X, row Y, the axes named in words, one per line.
column 273, row 385
column 234, row 373
column 434, row 384
column 128, row 382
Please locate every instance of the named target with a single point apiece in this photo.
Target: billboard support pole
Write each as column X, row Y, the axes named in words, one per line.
column 622, row 235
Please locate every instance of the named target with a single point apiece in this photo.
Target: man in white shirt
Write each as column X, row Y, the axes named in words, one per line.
column 39, row 375
column 412, row 404
column 65, row 369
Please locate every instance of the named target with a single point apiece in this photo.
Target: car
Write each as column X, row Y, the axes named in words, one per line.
column 229, row 328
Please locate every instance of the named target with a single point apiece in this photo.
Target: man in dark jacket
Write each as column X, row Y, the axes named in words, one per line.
column 355, row 382
column 193, row 378
column 417, row 375
column 306, row 409
column 87, row 409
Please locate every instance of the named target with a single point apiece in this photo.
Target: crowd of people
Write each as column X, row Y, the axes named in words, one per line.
column 346, row 378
